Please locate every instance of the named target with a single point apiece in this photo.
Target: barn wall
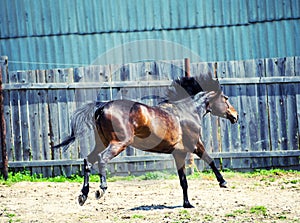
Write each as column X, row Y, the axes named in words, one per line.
column 57, row 34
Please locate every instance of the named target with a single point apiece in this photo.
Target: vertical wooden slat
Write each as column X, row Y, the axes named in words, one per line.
column 34, row 123
column 71, row 103
column 81, row 97
column 8, row 115
column 16, row 127
column 23, row 95
column 52, row 77
column 297, row 73
column 254, row 119
column 291, row 111
column 44, row 121
column 111, row 73
column 145, row 93
column 298, row 119
column 277, row 108
column 263, row 143
column 3, row 149
column 157, row 75
column 103, row 74
column 223, row 70
column 226, row 146
column 63, row 115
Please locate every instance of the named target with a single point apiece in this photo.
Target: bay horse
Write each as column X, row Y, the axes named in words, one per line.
column 171, row 127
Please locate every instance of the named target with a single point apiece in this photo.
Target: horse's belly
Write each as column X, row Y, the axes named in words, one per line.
column 153, row 144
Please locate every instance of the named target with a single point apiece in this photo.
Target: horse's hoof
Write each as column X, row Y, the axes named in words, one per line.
column 81, row 199
column 223, row 184
column 99, row 194
column 188, row 205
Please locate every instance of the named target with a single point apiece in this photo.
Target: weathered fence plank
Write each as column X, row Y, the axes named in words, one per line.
column 23, row 98
column 43, row 108
column 277, row 108
column 15, row 120
column 63, row 114
column 34, row 122
column 53, row 119
column 3, row 149
column 292, row 91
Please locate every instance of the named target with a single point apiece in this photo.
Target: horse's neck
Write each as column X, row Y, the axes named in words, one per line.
column 200, row 103
column 184, row 109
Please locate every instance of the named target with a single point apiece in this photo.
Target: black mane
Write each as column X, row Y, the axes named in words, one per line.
column 190, row 86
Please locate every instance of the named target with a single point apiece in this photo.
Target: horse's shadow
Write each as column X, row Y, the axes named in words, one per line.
column 153, row 207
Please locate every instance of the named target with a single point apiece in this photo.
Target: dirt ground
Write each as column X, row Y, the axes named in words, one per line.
column 259, row 199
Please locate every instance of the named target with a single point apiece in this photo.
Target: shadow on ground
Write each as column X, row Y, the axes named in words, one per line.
column 153, row 207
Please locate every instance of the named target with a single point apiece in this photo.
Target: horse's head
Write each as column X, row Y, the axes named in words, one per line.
column 207, row 95
column 218, row 104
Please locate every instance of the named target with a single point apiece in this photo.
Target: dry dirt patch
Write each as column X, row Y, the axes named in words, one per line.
column 245, row 200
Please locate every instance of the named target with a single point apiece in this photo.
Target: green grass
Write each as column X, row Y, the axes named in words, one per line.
column 236, row 213
column 138, row 216
column 184, row 215
column 265, row 175
column 256, row 210
column 11, row 217
column 259, row 210
column 208, row 217
column 270, row 173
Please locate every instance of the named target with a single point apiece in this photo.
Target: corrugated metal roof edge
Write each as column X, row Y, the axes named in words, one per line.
column 153, row 29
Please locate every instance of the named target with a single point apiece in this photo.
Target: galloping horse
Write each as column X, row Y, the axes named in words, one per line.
column 171, row 127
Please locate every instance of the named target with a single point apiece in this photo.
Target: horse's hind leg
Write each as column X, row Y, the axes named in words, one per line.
column 104, row 157
column 85, row 189
column 88, row 162
column 200, row 151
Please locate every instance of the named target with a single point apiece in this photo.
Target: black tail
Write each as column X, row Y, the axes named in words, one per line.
column 66, row 143
column 82, row 123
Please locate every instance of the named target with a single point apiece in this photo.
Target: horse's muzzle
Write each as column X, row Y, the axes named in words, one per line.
column 233, row 118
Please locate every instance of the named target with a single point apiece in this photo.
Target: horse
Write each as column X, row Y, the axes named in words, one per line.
column 171, row 127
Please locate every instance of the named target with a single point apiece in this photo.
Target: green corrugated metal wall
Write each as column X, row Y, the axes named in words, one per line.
column 68, row 33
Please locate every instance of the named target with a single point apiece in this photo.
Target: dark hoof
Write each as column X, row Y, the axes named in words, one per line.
column 99, row 194
column 188, row 205
column 223, row 184
column 81, row 199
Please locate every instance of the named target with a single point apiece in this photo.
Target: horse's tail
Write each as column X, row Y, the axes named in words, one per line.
column 82, row 123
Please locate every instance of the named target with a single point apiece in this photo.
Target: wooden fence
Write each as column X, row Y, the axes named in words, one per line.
column 266, row 92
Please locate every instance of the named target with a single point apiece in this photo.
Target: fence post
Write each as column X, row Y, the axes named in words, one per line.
column 187, row 72
column 3, row 71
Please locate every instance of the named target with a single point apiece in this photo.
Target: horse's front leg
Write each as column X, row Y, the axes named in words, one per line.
column 200, row 151
column 180, row 164
column 85, row 189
